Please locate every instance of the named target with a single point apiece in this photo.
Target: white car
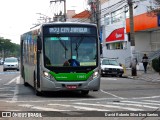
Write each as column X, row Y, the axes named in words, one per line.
column 111, row 67
column 1, row 61
column 11, row 63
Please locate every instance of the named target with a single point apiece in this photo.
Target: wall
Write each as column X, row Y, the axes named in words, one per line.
column 142, row 41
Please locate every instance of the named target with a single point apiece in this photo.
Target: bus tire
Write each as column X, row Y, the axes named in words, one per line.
column 38, row 93
column 84, row 92
column 35, row 87
column 25, row 83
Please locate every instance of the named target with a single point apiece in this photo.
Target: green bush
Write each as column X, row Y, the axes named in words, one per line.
column 155, row 64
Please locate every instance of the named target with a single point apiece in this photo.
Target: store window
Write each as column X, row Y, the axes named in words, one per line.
column 116, row 45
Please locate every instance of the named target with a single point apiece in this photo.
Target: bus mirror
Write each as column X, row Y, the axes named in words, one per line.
column 39, row 43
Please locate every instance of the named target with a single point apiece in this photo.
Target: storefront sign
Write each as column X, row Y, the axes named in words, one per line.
column 117, row 34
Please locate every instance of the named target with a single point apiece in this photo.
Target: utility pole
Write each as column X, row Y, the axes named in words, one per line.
column 132, row 38
column 98, row 15
column 92, row 4
column 95, row 16
column 95, row 12
column 61, row 15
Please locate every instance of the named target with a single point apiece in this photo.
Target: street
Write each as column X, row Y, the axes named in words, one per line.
column 116, row 94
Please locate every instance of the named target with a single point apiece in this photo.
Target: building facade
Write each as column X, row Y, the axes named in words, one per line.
column 116, row 30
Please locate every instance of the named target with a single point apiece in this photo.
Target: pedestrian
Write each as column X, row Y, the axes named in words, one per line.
column 145, row 62
column 133, row 66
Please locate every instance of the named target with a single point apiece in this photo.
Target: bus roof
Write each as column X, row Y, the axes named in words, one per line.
column 68, row 23
column 59, row 23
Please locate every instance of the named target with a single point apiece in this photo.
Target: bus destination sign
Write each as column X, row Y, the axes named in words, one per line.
column 73, row 30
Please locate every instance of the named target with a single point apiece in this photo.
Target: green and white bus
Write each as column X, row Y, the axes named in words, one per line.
column 61, row 57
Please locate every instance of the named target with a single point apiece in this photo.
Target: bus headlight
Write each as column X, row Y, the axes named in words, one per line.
column 95, row 74
column 46, row 75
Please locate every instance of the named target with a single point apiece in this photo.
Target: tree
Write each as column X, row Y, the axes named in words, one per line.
column 154, row 9
column 7, row 48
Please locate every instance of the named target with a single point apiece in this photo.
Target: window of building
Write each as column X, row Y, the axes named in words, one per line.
column 107, row 19
column 117, row 16
column 116, row 45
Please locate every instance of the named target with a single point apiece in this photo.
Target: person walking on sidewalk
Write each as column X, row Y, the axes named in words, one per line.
column 145, row 62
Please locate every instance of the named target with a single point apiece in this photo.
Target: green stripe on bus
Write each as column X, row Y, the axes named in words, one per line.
column 71, row 76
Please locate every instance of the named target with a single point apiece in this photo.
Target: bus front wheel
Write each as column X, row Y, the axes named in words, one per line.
column 25, row 83
column 35, row 87
column 84, row 92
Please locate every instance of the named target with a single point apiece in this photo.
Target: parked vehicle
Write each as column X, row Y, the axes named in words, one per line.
column 11, row 63
column 111, row 67
column 1, row 61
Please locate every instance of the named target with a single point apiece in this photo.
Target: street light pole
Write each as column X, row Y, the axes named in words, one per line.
column 132, row 36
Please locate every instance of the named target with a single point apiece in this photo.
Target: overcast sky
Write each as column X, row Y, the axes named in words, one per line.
column 17, row 16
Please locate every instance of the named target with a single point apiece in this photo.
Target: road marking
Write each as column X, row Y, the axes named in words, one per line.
column 16, row 91
column 137, row 105
column 111, row 94
column 79, row 107
column 40, row 108
column 13, row 81
column 111, row 106
column 87, row 99
column 108, row 79
column 141, row 103
column 152, row 101
column 1, row 73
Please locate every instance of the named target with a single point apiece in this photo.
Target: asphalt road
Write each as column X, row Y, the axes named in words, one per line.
column 116, row 94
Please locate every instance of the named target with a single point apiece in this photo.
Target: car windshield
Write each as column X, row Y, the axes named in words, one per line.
column 109, row 62
column 11, row 60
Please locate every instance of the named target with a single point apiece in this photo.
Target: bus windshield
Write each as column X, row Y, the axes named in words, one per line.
column 73, row 51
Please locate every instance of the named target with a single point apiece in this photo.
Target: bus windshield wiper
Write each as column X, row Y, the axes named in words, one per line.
column 78, row 44
column 65, row 48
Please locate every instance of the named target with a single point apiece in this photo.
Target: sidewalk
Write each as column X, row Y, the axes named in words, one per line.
column 149, row 76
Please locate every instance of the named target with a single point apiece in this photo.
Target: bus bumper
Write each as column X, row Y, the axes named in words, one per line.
column 53, row 85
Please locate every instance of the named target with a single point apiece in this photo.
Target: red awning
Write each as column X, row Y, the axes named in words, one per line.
column 117, row 34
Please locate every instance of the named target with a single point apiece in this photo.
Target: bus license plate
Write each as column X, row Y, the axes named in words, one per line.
column 71, row 86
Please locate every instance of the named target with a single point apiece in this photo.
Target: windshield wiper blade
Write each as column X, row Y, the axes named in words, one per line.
column 78, row 44
column 62, row 44
column 65, row 48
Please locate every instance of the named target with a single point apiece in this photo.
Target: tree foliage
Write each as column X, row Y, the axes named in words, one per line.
column 154, row 9
column 158, row 2
column 155, row 64
column 7, row 48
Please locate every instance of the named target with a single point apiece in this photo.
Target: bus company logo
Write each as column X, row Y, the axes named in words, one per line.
column 118, row 35
column 62, row 77
column 6, row 114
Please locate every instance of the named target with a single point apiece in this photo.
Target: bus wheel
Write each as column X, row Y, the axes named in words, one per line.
column 84, row 92
column 38, row 93
column 35, row 88
column 25, row 83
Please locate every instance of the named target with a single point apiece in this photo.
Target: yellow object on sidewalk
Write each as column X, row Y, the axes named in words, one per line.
column 124, row 68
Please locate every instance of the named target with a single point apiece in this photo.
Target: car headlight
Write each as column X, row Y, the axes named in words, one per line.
column 46, row 75
column 95, row 74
